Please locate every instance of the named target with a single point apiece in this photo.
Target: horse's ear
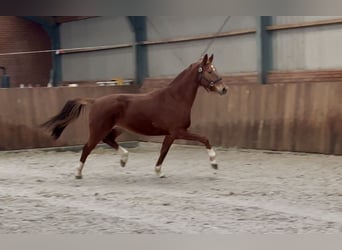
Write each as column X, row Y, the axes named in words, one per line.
column 211, row 58
column 205, row 59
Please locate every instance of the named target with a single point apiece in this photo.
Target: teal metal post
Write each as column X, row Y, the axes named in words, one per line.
column 5, row 79
column 264, row 47
column 138, row 24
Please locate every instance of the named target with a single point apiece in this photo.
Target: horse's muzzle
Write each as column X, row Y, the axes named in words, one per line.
column 224, row 91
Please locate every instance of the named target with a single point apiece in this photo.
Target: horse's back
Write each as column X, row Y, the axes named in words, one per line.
column 117, row 104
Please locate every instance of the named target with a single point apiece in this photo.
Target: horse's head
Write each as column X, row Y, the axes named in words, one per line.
column 208, row 77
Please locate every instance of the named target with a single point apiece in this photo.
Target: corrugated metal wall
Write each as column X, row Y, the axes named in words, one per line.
column 310, row 48
column 97, row 65
column 292, row 117
column 293, row 49
column 289, row 117
column 232, row 54
column 304, row 117
column 37, row 105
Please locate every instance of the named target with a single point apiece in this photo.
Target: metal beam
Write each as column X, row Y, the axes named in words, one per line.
column 264, row 47
column 43, row 21
column 138, row 24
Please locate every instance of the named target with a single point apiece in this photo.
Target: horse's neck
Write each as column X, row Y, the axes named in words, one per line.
column 184, row 88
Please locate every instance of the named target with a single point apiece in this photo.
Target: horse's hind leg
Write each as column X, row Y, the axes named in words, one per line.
column 110, row 140
column 95, row 136
column 87, row 148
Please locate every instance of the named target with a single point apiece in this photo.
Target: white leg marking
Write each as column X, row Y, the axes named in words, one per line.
column 212, row 154
column 212, row 157
column 157, row 169
column 124, row 156
column 79, row 171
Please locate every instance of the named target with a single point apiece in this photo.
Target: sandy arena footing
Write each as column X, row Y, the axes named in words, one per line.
column 252, row 191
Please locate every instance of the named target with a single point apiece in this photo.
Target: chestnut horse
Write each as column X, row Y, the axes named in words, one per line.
column 166, row 111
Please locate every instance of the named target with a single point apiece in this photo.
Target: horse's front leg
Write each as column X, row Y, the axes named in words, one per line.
column 168, row 140
column 185, row 135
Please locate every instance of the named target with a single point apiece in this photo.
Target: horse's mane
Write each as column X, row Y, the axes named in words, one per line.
column 182, row 74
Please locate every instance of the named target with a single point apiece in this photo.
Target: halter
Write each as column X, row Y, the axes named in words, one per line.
column 211, row 83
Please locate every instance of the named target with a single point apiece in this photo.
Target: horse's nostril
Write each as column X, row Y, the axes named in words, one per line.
column 224, row 90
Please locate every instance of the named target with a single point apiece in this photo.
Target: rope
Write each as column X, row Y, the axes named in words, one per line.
column 161, row 36
column 216, row 34
column 61, row 51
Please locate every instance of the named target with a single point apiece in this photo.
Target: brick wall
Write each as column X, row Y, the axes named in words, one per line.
column 18, row 34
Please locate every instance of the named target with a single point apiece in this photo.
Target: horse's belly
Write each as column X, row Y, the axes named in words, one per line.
column 144, row 128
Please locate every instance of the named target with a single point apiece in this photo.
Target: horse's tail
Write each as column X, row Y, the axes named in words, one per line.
column 70, row 112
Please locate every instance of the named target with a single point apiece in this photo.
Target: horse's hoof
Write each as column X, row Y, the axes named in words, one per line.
column 214, row 165
column 78, row 177
column 162, row 175
column 158, row 172
column 123, row 163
